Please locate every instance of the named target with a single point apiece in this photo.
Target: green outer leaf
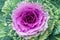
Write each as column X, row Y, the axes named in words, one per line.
column 10, row 5
column 2, row 32
column 58, row 37
column 57, row 28
column 56, row 3
column 1, row 3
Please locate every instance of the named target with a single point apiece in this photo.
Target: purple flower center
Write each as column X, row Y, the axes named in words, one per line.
column 29, row 17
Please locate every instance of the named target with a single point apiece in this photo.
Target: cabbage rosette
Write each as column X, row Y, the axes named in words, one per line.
column 29, row 19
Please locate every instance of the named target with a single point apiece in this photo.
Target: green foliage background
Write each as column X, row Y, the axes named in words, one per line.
column 53, row 31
